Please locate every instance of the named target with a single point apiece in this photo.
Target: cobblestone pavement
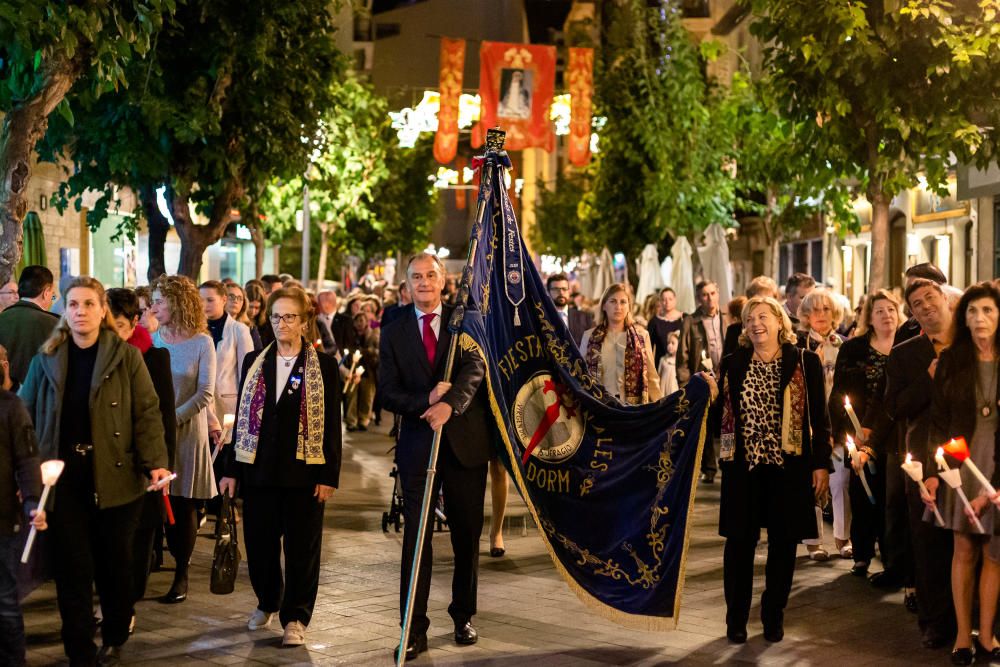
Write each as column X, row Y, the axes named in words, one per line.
column 526, row 613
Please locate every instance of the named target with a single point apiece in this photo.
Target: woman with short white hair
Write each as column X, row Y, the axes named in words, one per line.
column 819, row 316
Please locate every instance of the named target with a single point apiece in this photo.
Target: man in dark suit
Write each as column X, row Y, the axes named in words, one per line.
column 911, row 328
column 798, row 285
column 394, row 310
column 27, row 324
column 577, row 320
column 909, row 383
column 413, row 351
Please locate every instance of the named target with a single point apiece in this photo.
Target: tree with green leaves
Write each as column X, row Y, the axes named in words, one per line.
column 559, row 230
column 229, row 100
column 47, row 50
column 659, row 167
column 885, row 91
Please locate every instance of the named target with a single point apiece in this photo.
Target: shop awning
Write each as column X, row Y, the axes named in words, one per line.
column 33, row 244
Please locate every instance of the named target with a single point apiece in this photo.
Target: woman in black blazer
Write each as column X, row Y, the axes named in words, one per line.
column 860, row 376
column 286, row 456
column 125, row 309
column 772, row 420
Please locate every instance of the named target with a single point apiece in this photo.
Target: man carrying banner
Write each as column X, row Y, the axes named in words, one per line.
column 413, row 350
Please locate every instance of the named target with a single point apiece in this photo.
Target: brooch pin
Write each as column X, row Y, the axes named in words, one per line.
column 295, row 382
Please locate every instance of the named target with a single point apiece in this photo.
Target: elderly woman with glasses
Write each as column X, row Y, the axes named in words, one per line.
column 771, row 417
column 286, row 459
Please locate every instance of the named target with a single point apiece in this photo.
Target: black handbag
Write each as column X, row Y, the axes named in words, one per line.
column 226, row 560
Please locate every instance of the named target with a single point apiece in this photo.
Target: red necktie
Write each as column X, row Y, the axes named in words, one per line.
column 430, row 340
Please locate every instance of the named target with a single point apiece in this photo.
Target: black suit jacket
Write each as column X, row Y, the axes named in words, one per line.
column 799, row 519
column 158, row 364
column 908, row 392
column 342, row 329
column 275, row 464
column 405, row 382
column 732, row 341
column 955, row 408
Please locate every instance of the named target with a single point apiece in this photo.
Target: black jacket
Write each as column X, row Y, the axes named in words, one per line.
column 158, row 364
column 19, row 464
column 799, row 521
column 908, row 392
column 405, row 381
column 954, row 408
column 275, row 464
column 23, row 328
column 849, row 380
column 732, row 341
column 659, row 335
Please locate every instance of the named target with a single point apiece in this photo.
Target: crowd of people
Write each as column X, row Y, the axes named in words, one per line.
column 217, row 391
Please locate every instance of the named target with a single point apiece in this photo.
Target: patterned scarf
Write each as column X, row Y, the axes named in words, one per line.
column 827, row 347
column 636, row 391
column 793, row 416
column 310, row 440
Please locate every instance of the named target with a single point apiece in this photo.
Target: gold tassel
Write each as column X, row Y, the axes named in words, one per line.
column 517, row 317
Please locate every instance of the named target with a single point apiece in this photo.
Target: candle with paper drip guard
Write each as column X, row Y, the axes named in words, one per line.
column 706, row 362
column 359, row 371
column 228, row 420
column 50, row 475
column 857, row 427
column 853, row 451
column 953, row 478
column 959, row 449
column 915, row 469
column 161, row 486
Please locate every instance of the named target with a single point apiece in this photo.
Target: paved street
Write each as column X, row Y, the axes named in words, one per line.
column 527, row 614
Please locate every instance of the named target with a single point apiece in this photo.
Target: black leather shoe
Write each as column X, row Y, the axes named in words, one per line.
column 708, row 477
column 173, row 597
column 963, row 656
column 984, row 654
column 860, row 569
column 737, row 635
column 465, row 634
column 497, row 552
column 886, row 580
column 416, row 646
column 109, row 655
column 774, row 626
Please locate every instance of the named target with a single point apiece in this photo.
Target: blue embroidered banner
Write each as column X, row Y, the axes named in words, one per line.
column 610, row 486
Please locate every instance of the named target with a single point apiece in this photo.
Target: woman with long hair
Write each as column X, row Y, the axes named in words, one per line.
column 236, row 303
column 618, row 351
column 772, row 421
column 964, row 404
column 860, row 377
column 95, row 408
column 256, row 300
column 184, row 333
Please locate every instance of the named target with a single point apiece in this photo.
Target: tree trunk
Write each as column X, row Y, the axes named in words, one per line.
column 22, row 128
column 324, row 235
column 257, row 234
column 195, row 239
column 159, row 226
column 772, row 267
column 880, row 201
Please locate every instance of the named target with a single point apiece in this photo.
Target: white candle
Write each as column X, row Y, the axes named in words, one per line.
column 50, row 475
column 854, row 418
column 915, row 469
column 853, row 451
column 706, row 361
column 162, row 483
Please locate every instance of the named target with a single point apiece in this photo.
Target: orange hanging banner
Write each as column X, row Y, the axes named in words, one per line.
column 452, row 66
column 580, row 75
column 516, row 82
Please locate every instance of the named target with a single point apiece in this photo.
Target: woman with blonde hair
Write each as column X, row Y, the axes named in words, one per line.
column 860, row 377
column 184, row 333
column 95, row 408
column 772, row 420
column 819, row 316
column 618, row 352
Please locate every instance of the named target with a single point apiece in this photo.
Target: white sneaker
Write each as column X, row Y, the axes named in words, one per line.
column 259, row 619
column 295, row 634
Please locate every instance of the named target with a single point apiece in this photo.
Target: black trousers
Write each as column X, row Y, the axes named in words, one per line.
column 868, row 520
column 897, row 548
column 90, row 545
column 147, row 530
column 932, row 550
column 291, row 517
column 710, row 456
column 464, row 491
column 737, row 579
column 181, row 538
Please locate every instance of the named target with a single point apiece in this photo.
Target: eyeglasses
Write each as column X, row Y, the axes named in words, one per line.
column 8, row 291
column 234, row 297
column 287, row 319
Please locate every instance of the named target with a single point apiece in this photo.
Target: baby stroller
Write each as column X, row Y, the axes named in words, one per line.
column 394, row 516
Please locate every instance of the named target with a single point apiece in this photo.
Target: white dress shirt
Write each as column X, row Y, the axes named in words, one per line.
column 435, row 322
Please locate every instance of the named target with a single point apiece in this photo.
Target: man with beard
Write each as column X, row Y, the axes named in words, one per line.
column 577, row 320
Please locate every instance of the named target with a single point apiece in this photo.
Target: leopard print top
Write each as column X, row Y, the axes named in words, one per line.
column 762, row 413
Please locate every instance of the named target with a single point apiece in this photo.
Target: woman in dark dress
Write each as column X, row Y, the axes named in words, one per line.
column 772, row 419
column 286, row 459
column 860, row 376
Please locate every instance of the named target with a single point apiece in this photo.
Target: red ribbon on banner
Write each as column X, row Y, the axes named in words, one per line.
column 450, row 82
column 580, row 75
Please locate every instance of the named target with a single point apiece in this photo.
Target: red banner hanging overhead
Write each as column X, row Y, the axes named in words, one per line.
column 452, row 66
column 516, row 82
column 580, row 76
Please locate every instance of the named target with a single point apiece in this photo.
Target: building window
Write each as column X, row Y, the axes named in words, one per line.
column 801, row 257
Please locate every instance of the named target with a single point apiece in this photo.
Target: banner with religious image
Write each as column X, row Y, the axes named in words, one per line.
column 580, row 78
column 611, row 486
column 450, row 82
column 516, row 83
